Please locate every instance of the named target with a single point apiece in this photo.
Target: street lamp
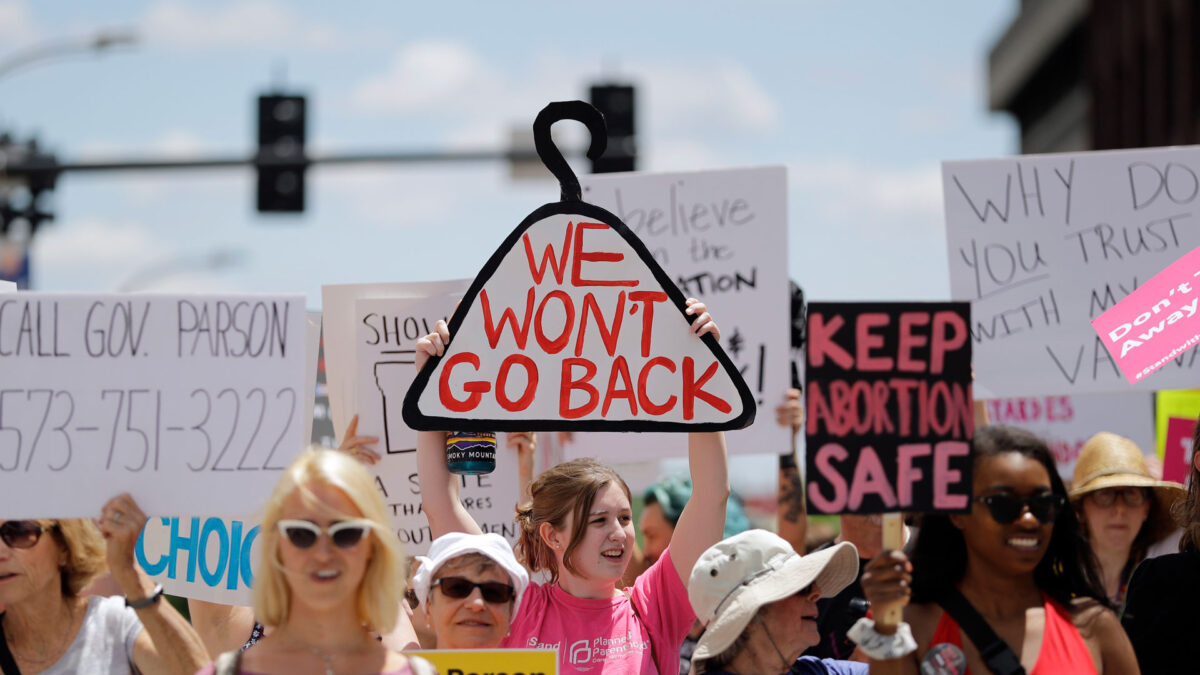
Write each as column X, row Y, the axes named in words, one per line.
column 98, row 43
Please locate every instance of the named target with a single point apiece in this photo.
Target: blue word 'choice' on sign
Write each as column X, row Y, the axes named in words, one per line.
column 228, row 561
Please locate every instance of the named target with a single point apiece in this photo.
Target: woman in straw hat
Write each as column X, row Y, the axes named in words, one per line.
column 1164, row 593
column 758, row 601
column 1123, row 509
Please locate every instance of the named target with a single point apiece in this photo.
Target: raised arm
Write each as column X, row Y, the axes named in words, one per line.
column 167, row 643
column 702, row 522
column 439, row 487
column 792, row 508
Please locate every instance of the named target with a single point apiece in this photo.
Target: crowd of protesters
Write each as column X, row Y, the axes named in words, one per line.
column 1037, row 577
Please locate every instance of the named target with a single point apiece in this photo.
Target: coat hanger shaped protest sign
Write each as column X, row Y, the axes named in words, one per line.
column 571, row 325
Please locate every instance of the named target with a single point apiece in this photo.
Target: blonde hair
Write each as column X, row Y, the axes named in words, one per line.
column 382, row 585
column 85, row 552
column 565, row 489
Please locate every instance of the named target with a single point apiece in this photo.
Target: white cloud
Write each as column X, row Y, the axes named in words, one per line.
column 426, row 75
column 722, row 95
column 93, row 254
column 252, row 24
column 16, row 23
column 847, row 189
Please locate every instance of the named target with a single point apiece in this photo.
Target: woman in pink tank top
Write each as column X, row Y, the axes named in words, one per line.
column 578, row 531
column 1017, row 559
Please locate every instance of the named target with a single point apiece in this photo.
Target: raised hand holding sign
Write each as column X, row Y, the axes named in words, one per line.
column 572, row 325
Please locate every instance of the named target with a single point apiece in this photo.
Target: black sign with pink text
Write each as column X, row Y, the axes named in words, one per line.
column 889, row 414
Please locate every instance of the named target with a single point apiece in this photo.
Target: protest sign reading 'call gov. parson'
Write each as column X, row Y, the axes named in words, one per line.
column 189, row 402
column 889, row 412
column 1042, row 245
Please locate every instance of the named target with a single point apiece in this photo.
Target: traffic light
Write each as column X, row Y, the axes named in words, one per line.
column 616, row 103
column 281, row 161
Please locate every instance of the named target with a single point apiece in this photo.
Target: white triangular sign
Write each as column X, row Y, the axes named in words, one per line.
column 572, row 325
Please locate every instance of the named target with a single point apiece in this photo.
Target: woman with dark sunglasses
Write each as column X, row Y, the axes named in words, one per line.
column 1123, row 509
column 578, row 527
column 49, row 626
column 330, row 577
column 1164, row 593
column 1016, row 559
column 469, row 587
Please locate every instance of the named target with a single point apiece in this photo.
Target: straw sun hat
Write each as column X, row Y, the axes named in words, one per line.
column 1108, row 460
column 737, row 576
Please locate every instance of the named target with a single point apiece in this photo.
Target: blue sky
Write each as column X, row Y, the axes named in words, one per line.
column 861, row 100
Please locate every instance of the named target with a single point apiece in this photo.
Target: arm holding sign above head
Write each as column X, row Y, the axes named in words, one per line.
column 792, row 510
column 702, row 522
column 439, row 487
column 359, row 446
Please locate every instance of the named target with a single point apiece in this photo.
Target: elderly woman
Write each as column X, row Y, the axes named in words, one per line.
column 758, row 601
column 330, row 577
column 1124, row 510
column 49, row 627
column 469, row 587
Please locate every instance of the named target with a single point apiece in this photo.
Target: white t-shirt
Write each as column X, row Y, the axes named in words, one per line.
column 105, row 640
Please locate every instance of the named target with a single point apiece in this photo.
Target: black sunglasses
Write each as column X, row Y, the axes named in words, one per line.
column 21, row 533
column 1007, row 508
column 304, row 533
column 493, row 592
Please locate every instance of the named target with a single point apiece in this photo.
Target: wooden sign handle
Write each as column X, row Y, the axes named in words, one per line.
column 893, row 540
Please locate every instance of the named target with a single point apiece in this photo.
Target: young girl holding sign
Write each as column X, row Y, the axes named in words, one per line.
column 1016, row 561
column 579, row 528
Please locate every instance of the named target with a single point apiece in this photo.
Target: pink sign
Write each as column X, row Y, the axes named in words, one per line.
column 1178, row 451
column 1155, row 323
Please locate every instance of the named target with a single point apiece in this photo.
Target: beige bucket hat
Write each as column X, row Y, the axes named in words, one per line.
column 736, row 576
column 1108, row 460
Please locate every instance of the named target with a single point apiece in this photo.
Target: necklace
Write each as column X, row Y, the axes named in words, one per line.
column 56, row 653
column 327, row 659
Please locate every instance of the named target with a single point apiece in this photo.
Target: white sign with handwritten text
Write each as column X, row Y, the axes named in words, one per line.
column 722, row 236
column 385, row 352
column 192, row 403
column 1041, row 245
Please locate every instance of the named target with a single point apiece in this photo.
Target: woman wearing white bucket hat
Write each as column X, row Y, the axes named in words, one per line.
column 478, row 584
column 758, row 601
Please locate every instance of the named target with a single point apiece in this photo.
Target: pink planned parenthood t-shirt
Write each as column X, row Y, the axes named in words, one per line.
column 605, row 635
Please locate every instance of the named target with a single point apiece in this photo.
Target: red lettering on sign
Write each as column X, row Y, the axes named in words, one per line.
column 531, row 374
column 608, row 333
column 865, row 341
column 909, row 341
column 944, row 477
column 477, row 388
column 520, row 333
column 620, row 369
column 694, row 389
column 906, row 473
column 538, row 272
column 582, row 256
column 556, row 345
column 826, row 455
column 570, row 383
column 647, row 298
column 821, row 344
column 945, row 323
column 644, row 397
column 870, row 478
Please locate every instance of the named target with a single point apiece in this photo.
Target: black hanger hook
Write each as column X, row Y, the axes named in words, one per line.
column 552, row 157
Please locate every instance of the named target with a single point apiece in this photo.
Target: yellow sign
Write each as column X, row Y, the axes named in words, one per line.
column 492, row 661
column 1182, row 403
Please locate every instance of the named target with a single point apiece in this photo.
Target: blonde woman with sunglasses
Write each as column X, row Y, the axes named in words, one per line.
column 330, row 577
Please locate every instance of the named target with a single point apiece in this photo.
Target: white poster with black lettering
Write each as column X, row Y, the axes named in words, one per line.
column 387, row 334
column 1041, row 245
column 722, row 236
column 191, row 403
